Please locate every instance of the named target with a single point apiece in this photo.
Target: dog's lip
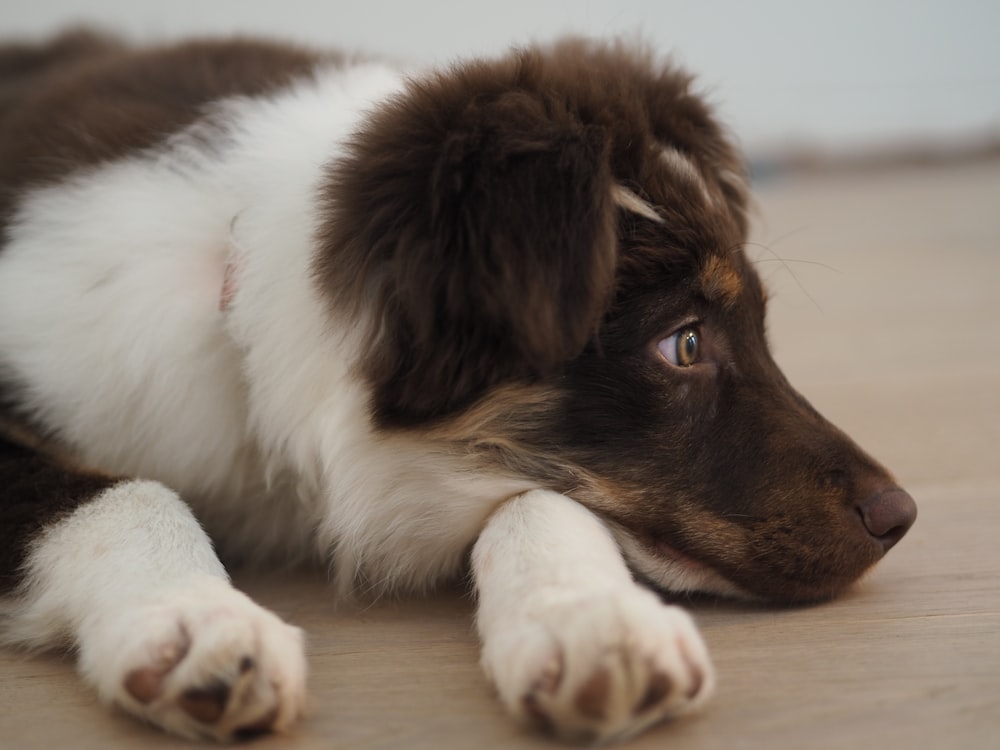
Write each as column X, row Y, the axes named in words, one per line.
column 666, row 550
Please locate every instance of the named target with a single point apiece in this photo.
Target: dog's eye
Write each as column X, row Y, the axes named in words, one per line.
column 682, row 348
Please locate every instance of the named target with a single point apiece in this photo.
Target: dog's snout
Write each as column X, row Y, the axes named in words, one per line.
column 888, row 515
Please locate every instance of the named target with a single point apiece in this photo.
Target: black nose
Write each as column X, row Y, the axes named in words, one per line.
column 888, row 515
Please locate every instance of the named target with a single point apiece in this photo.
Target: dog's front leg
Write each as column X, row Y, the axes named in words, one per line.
column 130, row 580
column 569, row 639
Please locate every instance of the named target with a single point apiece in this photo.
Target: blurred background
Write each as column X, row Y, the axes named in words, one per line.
column 789, row 76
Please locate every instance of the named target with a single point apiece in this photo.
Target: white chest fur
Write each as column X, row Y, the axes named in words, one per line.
column 110, row 324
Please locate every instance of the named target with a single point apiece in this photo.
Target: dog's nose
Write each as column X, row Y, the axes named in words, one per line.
column 888, row 515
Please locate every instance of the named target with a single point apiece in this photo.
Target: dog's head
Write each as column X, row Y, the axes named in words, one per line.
column 548, row 250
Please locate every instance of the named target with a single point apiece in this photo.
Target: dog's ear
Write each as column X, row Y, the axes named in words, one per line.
column 485, row 238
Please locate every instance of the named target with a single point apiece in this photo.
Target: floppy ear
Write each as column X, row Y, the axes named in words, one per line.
column 489, row 248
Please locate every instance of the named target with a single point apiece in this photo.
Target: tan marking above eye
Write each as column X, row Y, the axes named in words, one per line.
column 720, row 281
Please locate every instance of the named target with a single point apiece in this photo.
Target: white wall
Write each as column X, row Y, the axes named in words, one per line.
column 834, row 73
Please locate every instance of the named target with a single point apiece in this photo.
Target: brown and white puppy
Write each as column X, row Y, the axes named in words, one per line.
column 496, row 315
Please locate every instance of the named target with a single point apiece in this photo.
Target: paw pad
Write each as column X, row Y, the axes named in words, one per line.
column 202, row 664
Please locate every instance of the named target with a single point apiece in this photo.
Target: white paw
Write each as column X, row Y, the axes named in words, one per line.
column 600, row 668
column 202, row 661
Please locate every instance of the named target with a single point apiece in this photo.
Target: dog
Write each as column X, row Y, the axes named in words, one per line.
column 495, row 319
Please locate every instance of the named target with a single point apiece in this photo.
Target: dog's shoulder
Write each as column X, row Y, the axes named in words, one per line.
column 86, row 98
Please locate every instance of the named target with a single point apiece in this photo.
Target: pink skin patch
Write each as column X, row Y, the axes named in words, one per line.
column 228, row 284
column 230, row 269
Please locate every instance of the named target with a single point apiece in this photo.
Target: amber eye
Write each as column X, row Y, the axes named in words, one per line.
column 681, row 349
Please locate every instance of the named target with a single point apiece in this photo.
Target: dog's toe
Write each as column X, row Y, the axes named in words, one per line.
column 203, row 664
column 604, row 668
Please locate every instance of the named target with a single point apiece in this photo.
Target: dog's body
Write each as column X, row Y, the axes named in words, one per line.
column 384, row 322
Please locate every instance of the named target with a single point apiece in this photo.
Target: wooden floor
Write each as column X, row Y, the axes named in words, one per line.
column 887, row 315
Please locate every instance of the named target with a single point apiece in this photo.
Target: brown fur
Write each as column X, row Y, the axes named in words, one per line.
column 476, row 215
column 86, row 98
column 34, row 493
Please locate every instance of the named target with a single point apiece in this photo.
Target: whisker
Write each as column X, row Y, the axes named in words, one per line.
column 788, row 268
column 786, row 235
column 800, row 260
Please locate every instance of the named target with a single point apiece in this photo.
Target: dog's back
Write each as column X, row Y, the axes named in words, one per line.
column 87, row 98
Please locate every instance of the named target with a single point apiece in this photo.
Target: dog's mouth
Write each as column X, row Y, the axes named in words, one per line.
column 669, row 569
column 672, row 554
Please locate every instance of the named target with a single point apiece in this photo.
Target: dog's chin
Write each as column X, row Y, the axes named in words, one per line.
column 672, row 571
